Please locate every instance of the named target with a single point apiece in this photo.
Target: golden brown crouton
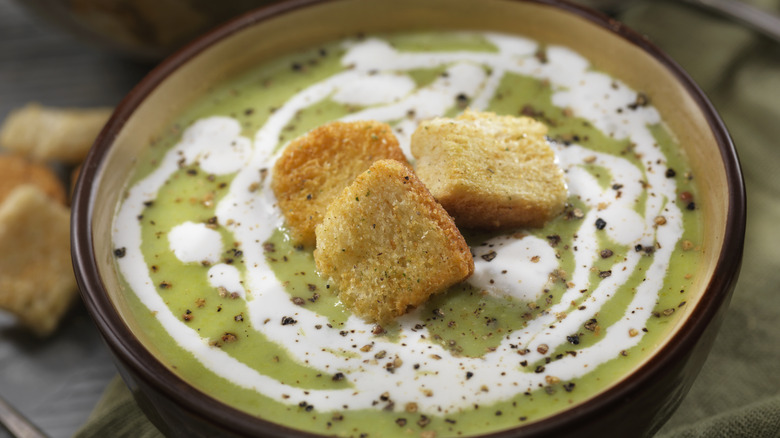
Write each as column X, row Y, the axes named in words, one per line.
column 388, row 245
column 490, row 171
column 44, row 133
column 36, row 275
column 15, row 171
column 315, row 168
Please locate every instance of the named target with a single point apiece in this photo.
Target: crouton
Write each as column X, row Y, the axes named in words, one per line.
column 388, row 245
column 36, row 274
column 314, row 168
column 16, row 170
column 490, row 171
column 44, row 133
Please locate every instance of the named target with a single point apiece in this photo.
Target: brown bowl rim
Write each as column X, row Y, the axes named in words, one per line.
column 131, row 353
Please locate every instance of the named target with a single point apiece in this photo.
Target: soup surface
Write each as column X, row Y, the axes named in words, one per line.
column 551, row 316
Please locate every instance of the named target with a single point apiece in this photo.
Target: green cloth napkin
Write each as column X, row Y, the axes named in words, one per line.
column 737, row 393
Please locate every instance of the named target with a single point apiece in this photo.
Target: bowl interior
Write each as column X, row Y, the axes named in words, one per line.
column 187, row 76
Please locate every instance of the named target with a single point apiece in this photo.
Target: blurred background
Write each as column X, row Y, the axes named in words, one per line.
column 87, row 53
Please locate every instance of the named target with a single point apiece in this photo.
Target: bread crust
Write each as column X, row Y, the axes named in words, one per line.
column 388, row 245
column 314, row 168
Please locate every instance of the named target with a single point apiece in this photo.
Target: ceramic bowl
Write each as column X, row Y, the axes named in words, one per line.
column 637, row 405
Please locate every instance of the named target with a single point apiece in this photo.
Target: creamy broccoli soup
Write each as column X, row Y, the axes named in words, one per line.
column 550, row 317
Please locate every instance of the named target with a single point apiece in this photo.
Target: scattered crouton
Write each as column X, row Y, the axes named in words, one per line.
column 16, row 170
column 48, row 134
column 36, row 275
column 490, row 171
column 388, row 245
column 315, row 168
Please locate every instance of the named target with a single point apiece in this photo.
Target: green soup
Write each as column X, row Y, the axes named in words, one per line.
column 551, row 317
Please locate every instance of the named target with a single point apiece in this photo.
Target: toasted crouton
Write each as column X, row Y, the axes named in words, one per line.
column 490, row 171
column 315, row 168
column 388, row 245
column 16, row 170
column 44, row 133
column 36, row 275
